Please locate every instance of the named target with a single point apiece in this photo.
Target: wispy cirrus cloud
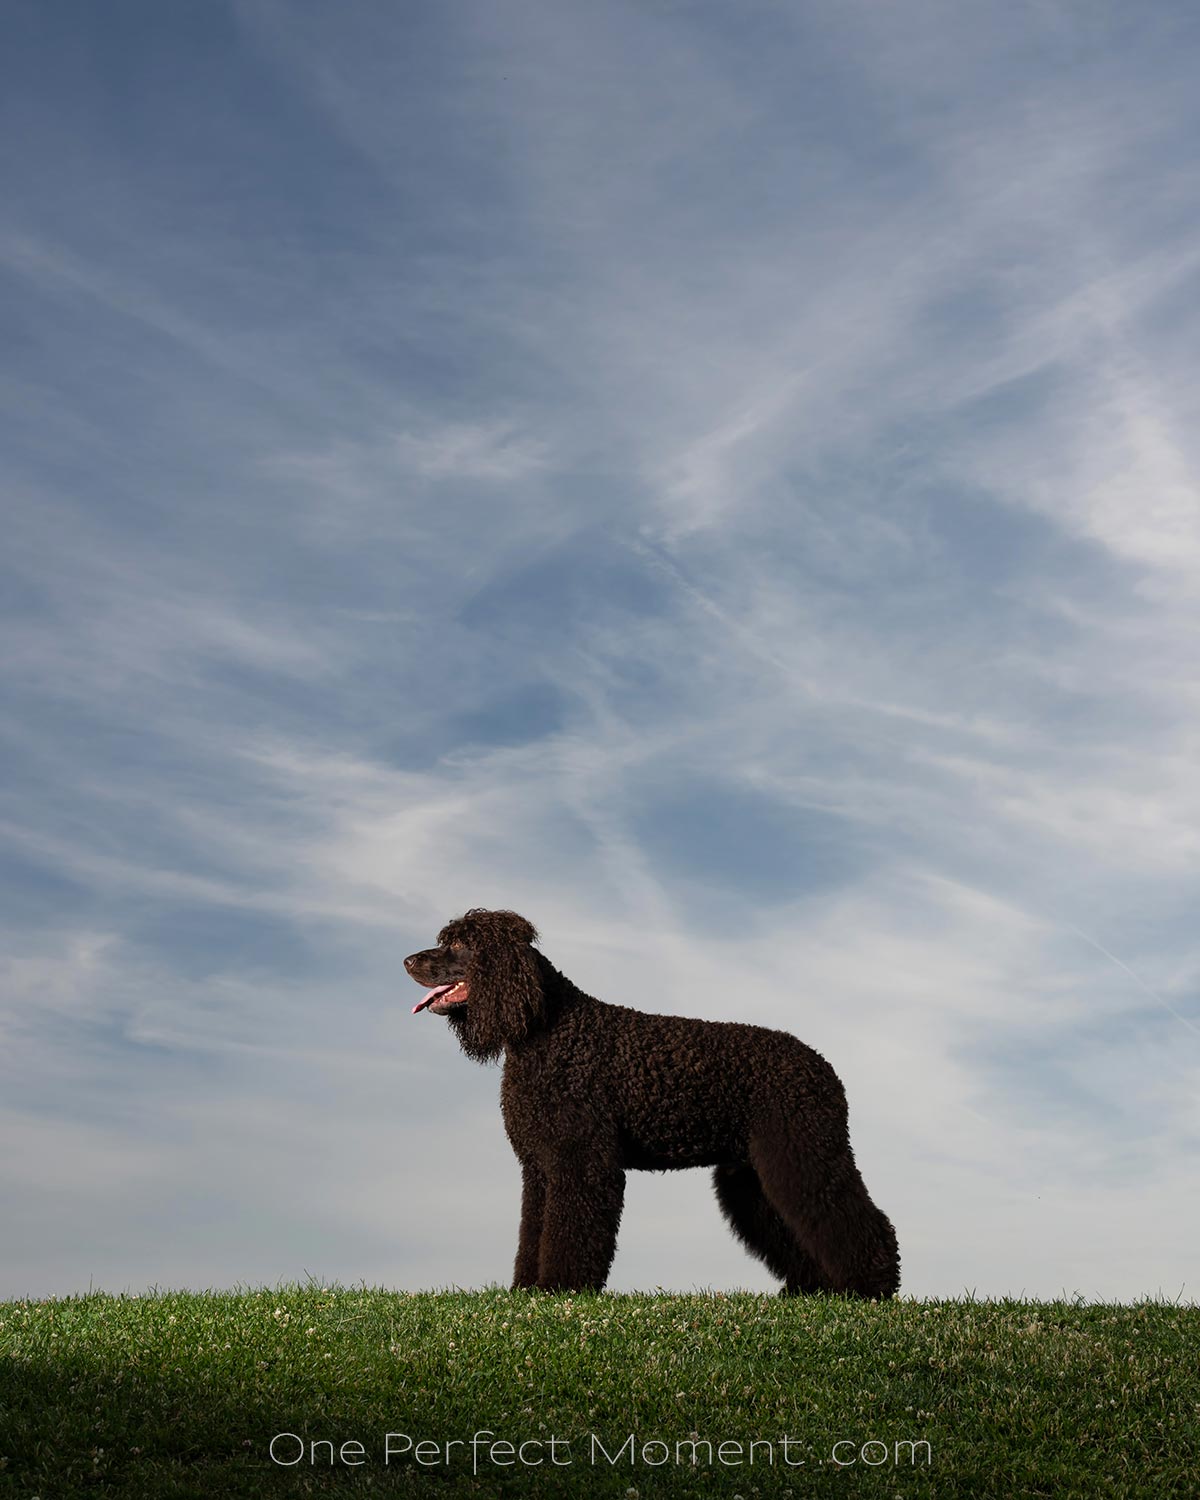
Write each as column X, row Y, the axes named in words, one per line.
column 726, row 491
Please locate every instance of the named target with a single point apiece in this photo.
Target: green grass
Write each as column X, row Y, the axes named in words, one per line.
column 179, row 1394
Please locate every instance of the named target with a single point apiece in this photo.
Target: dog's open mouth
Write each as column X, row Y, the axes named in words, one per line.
column 444, row 997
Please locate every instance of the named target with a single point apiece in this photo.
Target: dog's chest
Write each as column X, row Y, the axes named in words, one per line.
column 548, row 1093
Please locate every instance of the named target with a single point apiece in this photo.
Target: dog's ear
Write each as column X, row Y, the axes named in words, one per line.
column 506, row 998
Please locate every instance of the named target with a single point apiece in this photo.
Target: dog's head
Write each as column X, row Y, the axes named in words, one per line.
column 485, row 978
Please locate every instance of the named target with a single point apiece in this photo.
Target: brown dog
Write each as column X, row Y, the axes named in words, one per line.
column 592, row 1089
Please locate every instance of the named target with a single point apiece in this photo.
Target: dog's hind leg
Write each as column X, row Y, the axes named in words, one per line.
column 584, row 1197
column 762, row 1231
column 825, row 1204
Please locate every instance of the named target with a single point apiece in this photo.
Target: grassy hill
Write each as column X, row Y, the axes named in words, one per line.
column 181, row 1394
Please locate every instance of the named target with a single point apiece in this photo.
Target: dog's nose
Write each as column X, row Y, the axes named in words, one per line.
column 408, row 962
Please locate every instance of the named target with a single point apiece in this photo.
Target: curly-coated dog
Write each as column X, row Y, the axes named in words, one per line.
column 592, row 1089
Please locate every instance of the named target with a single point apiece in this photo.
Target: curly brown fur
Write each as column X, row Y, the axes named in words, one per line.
column 591, row 1090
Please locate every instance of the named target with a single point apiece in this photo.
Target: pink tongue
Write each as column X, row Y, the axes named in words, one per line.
column 431, row 996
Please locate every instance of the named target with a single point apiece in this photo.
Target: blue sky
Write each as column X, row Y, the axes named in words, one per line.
column 719, row 480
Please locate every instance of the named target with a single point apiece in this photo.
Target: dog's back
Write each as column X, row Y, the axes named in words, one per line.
column 670, row 1091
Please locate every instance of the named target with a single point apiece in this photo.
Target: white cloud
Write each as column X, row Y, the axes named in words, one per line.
column 809, row 417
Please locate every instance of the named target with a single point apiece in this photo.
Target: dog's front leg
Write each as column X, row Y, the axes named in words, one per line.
column 579, row 1231
column 533, row 1205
